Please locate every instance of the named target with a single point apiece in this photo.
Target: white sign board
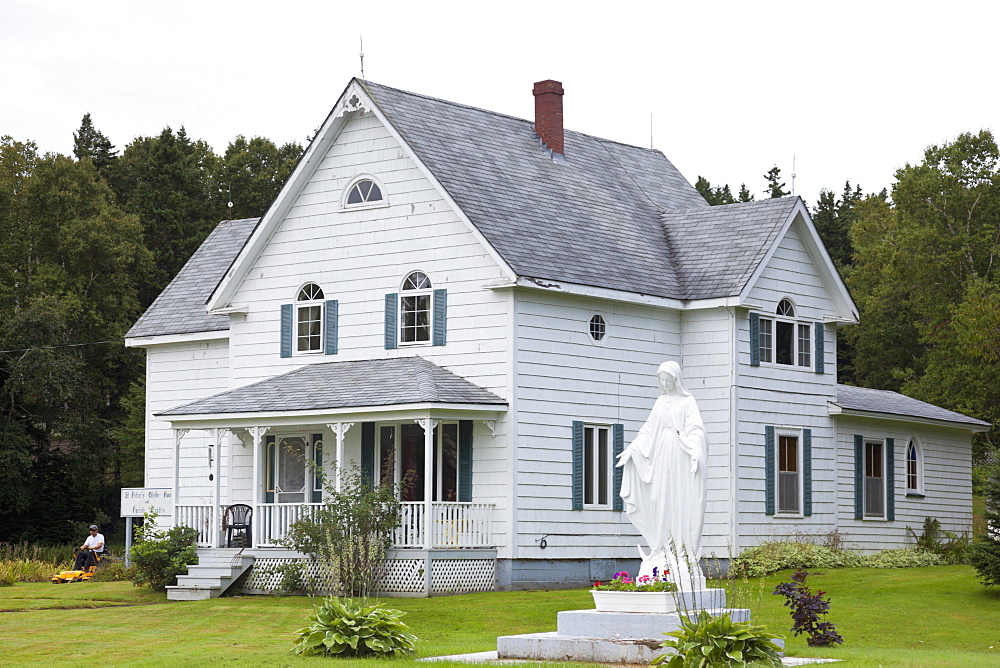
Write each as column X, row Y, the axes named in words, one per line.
column 137, row 501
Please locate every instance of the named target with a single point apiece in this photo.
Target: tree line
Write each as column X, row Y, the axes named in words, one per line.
column 922, row 261
column 87, row 242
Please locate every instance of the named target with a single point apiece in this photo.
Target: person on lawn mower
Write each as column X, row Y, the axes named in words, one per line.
column 93, row 545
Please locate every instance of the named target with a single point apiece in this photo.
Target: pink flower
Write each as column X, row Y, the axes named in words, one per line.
column 644, row 579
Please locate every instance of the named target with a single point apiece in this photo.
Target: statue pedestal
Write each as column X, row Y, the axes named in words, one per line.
column 613, row 637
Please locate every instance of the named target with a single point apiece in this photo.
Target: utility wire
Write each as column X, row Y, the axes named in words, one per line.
column 65, row 345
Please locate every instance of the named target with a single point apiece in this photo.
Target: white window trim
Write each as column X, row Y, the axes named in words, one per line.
column 918, row 491
column 296, row 306
column 798, row 435
column 795, row 322
column 607, row 329
column 885, row 482
column 609, row 428
column 401, row 294
column 384, row 202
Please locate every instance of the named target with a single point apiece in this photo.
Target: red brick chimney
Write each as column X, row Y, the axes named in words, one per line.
column 549, row 114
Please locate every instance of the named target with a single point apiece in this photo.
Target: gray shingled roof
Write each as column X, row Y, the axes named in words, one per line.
column 337, row 385
column 719, row 247
column 180, row 308
column 893, row 403
column 610, row 215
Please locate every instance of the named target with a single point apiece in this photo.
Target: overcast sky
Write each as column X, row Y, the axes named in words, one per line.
column 853, row 90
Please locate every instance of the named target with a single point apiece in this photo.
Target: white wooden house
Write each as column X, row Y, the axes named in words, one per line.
column 484, row 301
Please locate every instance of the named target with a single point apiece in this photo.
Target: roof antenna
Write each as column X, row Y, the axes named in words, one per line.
column 793, row 173
column 650, row 129
column 229, row 191
column 361, row 39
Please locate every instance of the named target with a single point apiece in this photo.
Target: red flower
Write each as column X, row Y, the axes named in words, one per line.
column 597, row 584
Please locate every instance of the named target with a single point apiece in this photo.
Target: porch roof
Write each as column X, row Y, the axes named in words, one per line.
column 332, row 386
column 884, row 403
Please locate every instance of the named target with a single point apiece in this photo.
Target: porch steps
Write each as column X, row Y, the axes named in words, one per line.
column 217, row 569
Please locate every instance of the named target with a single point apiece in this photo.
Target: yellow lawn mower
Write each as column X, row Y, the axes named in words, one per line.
column 80, row 575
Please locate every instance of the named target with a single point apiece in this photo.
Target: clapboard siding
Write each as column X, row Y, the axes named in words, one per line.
column 170, row 382
column 359, row 255
column 563, row 375
column 789, row 398
column 947, row 468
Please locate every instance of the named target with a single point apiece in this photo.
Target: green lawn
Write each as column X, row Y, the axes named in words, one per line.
column 937, row 616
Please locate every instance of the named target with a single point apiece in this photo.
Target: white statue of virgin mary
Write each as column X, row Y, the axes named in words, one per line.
column 664, row 481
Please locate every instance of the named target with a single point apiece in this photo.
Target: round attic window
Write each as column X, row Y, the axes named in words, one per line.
column 598, row 328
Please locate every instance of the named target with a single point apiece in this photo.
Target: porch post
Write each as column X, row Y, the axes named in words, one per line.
column 257, row 433
column 429, row 425
column 178, row 435
column 339, row 430
column 215, row 520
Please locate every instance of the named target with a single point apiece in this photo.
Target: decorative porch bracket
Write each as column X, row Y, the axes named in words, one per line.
column 492, row 426
column 339, row 430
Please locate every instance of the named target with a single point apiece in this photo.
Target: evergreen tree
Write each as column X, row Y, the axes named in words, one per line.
column 169, row 182
column 714, row 196
column 254, row 171
column 775, row 188
column 745, row 194
column 833, row 218
column 984, row 554
column 89, row 142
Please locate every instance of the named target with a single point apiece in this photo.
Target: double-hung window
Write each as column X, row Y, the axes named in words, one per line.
column 597, row 466
column 874, row 478
column 309, row 319
column 788, row 471
column 783, row 339
column 874, row 491
column 789, row 475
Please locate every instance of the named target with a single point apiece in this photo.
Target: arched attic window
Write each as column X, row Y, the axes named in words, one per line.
column 365, row 191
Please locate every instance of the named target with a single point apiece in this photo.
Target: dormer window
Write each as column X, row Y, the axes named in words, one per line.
column 415, row 309
column 783, row 339
column 364, row 191
column 309, row 319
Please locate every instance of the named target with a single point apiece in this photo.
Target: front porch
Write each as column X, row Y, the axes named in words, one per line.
column 425, row 526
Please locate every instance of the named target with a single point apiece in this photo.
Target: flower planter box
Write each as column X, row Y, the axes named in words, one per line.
column 635, row 601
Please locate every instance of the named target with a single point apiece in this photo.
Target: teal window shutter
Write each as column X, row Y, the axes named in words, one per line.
column 754, row 339
column 769, row 467
column 368, row 452
column 890, row 479
column 465, row 461
column 331, row 313
column 577, row 465
column 618, row 446
column 820, row 330
column 859, row 476
column 391, row 324
column 270, row 463
column 317, row 492
column 286, row 330
column 807, row 472
column 440, row 329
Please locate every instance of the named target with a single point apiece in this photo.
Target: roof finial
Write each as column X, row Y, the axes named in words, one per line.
column 793, row 173
column 361, row 40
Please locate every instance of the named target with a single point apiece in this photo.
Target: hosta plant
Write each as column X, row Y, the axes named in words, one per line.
column 353, row 627
column 719, row 641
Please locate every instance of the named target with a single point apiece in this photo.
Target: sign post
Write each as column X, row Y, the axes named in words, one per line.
column 136, row 502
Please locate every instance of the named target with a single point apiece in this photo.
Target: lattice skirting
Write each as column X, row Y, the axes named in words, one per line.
column 404, row 576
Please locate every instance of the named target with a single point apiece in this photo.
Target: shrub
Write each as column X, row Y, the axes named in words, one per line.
column 904, row 557
column 771, row 557
column 719, row 641
column 353, row 627
column 160, row 556
column 113, row 572
column 984, row 555
column 25, row 570
column 349, row 534
column 806, row 608
column 951, row 547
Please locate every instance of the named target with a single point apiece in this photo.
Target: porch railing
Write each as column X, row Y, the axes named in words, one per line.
column 198, row 518
column 452, row 524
